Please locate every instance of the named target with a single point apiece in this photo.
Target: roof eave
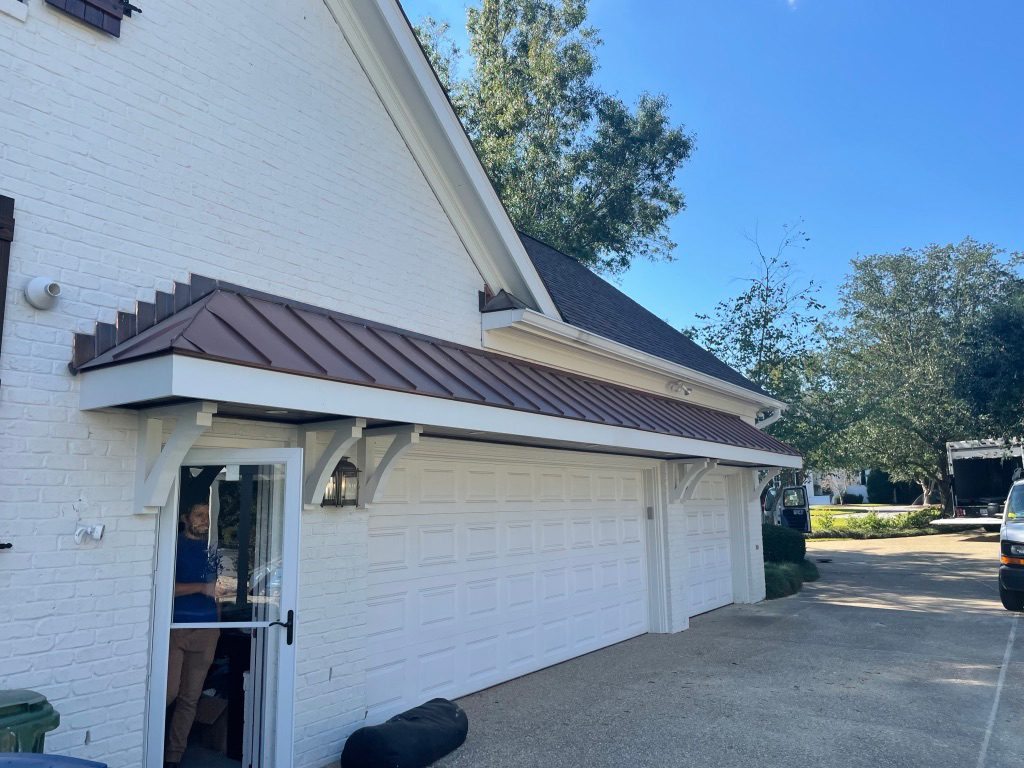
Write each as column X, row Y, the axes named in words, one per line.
column 174, row 376
column 536, row 324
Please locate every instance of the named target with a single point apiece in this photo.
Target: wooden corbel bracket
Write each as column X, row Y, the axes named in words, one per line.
column 157, row 465
column 376, row 477
column 347, row 433
column 760, row 485
column 691, row 472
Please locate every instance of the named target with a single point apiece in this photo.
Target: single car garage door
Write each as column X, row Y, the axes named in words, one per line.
column 709, row 571
column 485, row 566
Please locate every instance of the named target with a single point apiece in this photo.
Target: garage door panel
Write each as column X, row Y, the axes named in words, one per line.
column 476, row 658
column 709, row 567
column 465, row 592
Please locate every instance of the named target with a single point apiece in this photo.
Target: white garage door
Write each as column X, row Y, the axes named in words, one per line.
column 709, row 572
column 484, row 570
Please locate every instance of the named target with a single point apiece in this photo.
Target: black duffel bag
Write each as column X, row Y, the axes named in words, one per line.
column 413, row 739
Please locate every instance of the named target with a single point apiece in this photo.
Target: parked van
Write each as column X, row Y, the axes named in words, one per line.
column 1011, row 550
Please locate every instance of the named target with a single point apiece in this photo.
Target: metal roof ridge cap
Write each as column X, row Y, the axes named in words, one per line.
column 197, row 309
column 539, row 324
column 180, row 319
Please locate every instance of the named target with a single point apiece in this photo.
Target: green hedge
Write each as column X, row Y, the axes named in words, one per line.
column 782, row 545
column 809, row 571
column 782, row 580
column 785, row 579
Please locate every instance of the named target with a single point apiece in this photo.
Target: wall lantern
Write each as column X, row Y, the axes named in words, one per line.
column 343, row 487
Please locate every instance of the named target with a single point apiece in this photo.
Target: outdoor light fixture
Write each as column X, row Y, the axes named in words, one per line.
column 343, row 487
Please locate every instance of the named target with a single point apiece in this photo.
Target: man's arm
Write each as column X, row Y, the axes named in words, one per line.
column 194, row 588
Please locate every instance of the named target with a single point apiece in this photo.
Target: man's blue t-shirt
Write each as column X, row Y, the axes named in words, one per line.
column 195, row 564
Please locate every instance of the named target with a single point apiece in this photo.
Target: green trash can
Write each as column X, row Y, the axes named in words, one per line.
column 25, row 719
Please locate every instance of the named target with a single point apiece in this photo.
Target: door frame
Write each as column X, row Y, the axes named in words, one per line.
column 164, row 588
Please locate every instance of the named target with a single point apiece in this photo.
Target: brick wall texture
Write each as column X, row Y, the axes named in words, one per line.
column 236, row 140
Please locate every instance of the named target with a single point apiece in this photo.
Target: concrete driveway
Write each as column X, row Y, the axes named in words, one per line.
column 895, row 658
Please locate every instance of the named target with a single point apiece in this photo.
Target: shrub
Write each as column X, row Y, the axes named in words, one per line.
column 782, row 545
column 921, row 518
column 809, row 571
column 852, row 498
column 826, row 521
column 781, row 580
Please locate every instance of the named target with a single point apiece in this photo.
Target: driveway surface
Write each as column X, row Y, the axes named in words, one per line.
column 895, row 658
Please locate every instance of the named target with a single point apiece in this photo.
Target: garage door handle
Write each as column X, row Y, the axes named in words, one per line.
column 288, row 625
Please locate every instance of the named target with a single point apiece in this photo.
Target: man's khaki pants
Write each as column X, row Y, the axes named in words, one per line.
column 188, row 661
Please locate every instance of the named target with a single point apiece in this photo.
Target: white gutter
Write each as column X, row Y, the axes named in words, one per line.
column 535, row 323
column 770, row 420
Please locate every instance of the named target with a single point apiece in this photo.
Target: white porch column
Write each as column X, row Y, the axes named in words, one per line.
column 745, row 537
column 677, row 559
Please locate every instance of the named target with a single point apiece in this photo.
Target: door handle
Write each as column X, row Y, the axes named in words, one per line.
column 288, row 625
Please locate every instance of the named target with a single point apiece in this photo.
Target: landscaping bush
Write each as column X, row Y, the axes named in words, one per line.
column 852, row 498
column 782, row 580
column 782, row 545
column 809, row 571
column 826, row 521
column 921, row 518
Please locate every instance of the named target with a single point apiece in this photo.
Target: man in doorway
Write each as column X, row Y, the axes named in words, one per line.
column 191, row 650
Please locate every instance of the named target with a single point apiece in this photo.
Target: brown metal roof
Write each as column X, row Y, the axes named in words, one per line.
column 222, row 322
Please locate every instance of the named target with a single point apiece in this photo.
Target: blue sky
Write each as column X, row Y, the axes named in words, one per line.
column 881, row 124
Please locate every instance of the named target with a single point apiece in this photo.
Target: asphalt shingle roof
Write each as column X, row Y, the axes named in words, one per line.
column 591, row 303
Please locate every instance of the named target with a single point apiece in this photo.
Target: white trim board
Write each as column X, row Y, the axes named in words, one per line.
column 535, row 324
column 193, row 378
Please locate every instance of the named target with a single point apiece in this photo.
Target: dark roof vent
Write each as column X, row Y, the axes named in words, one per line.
column 503, row 300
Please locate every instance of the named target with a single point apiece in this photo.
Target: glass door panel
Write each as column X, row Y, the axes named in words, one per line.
column 232, row 614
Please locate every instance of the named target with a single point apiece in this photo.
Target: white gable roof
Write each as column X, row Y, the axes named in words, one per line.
column 388, row 51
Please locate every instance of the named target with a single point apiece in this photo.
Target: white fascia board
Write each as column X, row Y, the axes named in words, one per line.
column 390, row 55
column 193, row 378
column 536, row 324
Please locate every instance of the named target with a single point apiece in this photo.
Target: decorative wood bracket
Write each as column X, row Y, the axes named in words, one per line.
column 347, row 433
column 375, row 478
column 156, row 467
column 760, row 485
column 690, row 474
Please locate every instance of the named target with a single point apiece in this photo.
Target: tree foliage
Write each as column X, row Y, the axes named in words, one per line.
column 993, row 377
column 909, row 318
column 773, row 333
column 575, row 166
column 767, row 331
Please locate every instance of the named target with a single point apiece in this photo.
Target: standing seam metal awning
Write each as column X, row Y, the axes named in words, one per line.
column 225, row 323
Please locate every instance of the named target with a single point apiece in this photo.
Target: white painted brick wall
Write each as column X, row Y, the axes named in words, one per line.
column 237, row 141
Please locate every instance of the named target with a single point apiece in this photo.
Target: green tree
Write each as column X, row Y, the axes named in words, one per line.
column 769, row 329
column 773, row 333
column 574, row 165
column 908, row 319
column 993, row 377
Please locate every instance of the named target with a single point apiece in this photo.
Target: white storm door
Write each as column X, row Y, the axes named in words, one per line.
column 254, row 500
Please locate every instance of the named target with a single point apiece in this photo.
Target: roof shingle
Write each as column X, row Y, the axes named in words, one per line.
column 591, row 303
